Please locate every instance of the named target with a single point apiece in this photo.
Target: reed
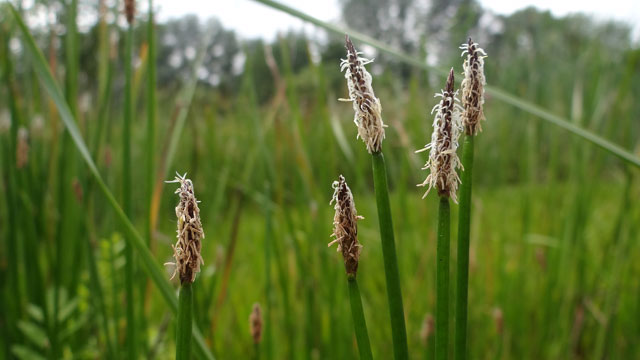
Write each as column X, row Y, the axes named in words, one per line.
column 442, row 164
column 472, row 102
column 345, row 231
column 187, row 257
column 368, row 118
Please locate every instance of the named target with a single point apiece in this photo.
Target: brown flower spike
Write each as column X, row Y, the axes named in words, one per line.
column 345, row 225
column 187, row 249
column 255, row 323
column 129, row 10
column 473, row 87
column 366, row 106
column 443, row 159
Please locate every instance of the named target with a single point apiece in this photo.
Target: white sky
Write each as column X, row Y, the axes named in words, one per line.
column 252, row 19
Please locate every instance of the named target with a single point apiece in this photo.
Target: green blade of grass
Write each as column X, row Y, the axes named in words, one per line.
column 391, row 272
column 183, row 330
column 362, row 335
column 493, row 91
column 154, row 270
column 462, row 273
column 442, row 280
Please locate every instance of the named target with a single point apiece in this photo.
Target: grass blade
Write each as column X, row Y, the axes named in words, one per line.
column 392, row 275
column 442, row 280
column 362, row 335
column 462, row 273
column 154, row 270
column 493, row 91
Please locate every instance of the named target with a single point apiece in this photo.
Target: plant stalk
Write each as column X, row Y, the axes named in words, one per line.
column 442, row 280
column 464, row 228
column 394, row 294
column 359, row 322
column 183, row 331
column 132, row 342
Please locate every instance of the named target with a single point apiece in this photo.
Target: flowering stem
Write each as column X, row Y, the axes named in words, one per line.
column 183, row 331
column 442, row 281
column 359, row 322
column 126, row 196
column 394, row 294
column 462, row 273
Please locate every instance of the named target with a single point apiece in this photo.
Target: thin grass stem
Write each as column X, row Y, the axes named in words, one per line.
column 462, row 273
column 442, row 280
column 183, row 331
column 392, row 275
column 359, row 322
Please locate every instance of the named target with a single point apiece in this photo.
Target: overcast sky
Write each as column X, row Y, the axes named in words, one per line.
column 251, row 19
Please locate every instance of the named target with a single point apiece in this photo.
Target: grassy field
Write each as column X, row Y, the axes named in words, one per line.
column 555, row 217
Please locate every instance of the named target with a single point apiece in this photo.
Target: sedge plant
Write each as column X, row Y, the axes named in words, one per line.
column 187, row 256
column 129, row 8
column 368, row 118
column 472, row 102
column 345, row 231
column 255, row 328
column 442, row 164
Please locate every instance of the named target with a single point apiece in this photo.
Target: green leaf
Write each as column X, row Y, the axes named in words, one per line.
column 35, row 312
column 34, row 333
column 153, row 269
column 24, row 353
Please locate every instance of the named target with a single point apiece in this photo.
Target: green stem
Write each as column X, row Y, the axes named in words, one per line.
column 126, row 197
column 360, row 324
column 394, row 294
column 183, row 339
column 442, row 281
column 462, row 273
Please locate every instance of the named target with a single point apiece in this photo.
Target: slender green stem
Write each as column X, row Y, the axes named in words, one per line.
column 126, row 197
column 392, row 275
column 183, row 331
column 360, row 324
column 462, row 273
column 154, row 270
column 442, row 281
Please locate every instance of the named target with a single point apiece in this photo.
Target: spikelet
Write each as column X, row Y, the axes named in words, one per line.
column 473, row 87
column 255, row 323
column 345, row 227
column 366, row 106
column 22, row 148
column 428, row 327
column 5, row 122
column 443, row 159
column 187, row 249
column 130, row 10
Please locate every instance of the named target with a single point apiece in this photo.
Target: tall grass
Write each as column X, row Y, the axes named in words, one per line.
column 530, row 215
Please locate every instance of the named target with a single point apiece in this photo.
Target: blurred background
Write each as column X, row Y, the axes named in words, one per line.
column 243, row 98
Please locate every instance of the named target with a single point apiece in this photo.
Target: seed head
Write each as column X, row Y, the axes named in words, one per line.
column 366, row 106
column 498, row 318
column 345, row 227
column 473, row 87
column 255, row 323
column 443, row 159
column 129, row 10
column 22, row 148
column 428, row 327
column 187, row 249
column 5, row 121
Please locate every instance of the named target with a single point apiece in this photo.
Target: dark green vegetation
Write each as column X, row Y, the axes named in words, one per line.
column 554, row 224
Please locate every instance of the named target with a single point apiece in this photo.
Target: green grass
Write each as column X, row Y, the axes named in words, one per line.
column 553, row 231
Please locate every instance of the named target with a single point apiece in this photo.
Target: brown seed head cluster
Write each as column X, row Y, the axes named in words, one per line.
column 22, row 148
column 186, row 251
column 366, row 106
column 443, row 159
column 345, row 227
column 473, row 87
column 255, row 323
column 428, row 327
column 130, row 10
